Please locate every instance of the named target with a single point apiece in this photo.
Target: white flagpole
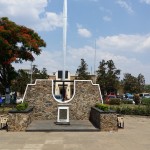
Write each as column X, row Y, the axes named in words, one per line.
column 64, row 36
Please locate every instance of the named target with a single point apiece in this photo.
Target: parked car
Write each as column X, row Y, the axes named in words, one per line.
column 144, row 95
column 59, row 97
column 1, row 100
column 109, row 96
column 129, row 97
column 19, row 100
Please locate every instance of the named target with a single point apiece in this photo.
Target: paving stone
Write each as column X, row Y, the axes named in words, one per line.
column 135, row 136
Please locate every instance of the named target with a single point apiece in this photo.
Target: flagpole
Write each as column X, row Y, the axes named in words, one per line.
column 64, row 36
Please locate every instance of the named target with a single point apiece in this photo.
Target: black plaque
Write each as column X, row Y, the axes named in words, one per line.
column 63, row 114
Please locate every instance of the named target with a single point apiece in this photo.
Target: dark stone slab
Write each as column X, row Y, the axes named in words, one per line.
column 50, row 126
column 29, row 109
column 103, row 112
column 62, row 123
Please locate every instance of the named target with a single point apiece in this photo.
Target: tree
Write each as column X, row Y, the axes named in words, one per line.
column 17, row 43
column 147, row 88
column 129, row 83
column 44, row 74
column 37, row 74
column 107, row 76
column 82, row 73
column 21, row 81
column 101, row 76
column 141, row 82
column 133, row 84
column 7, row 75
column 24, row 77
column 112, row 77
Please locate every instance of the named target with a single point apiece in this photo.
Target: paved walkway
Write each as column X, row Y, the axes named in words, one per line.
column 135, row 136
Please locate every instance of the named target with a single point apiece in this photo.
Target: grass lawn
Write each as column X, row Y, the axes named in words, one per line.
column 4, row 109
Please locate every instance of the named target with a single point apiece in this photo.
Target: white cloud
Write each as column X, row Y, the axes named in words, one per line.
column 50, row 22
column 106, row 48
column 83, row 32
column 122, row 42
column 125, row 64
column 145, row 1
column 51, row 60
column 126, row 6
column 107, row 18
column 31, row 13
column 105, row 10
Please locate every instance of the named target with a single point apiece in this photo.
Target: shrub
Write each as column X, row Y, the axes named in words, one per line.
column 103, row 107
column 145, row 101
column 22, row 106
column 114, row 101
column 132, row 110
column 127, row 102
column 136, row 99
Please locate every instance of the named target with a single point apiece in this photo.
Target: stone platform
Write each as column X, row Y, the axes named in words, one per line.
column 50, row 125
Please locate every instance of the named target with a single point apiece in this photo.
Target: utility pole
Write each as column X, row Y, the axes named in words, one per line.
column 31, row 73
column 95, row 63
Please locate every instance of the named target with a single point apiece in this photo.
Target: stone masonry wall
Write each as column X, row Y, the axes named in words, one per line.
column 108, row 122
column 45, row 106
column 86, row 96
column 19, row 121
column 105, row 121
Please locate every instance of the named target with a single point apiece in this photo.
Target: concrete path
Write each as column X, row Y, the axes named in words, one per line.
column 135, row 136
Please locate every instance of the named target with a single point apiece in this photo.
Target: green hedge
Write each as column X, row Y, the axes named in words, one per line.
column 114, row 101
column 22, row 106
column 145, row 101
column 132, row 110
column 127, row 102
column 103, row 107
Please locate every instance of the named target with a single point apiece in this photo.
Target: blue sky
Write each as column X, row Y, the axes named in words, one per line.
column 121, row 29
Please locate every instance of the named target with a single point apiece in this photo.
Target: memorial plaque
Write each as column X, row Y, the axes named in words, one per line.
column 63, row 114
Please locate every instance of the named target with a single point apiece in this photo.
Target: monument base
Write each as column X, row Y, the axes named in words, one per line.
column 63, row 114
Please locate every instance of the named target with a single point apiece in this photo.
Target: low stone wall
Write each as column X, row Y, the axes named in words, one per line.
column 105, row 121
column 19, row 120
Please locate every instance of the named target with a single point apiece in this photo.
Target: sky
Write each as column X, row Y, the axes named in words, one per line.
column 117, row 30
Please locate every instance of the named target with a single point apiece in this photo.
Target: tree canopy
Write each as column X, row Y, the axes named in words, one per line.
column 17, row 43
column 39, row 74
column 108, row 76
column 82, row 71
column 133, row 84
column 23, row 78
